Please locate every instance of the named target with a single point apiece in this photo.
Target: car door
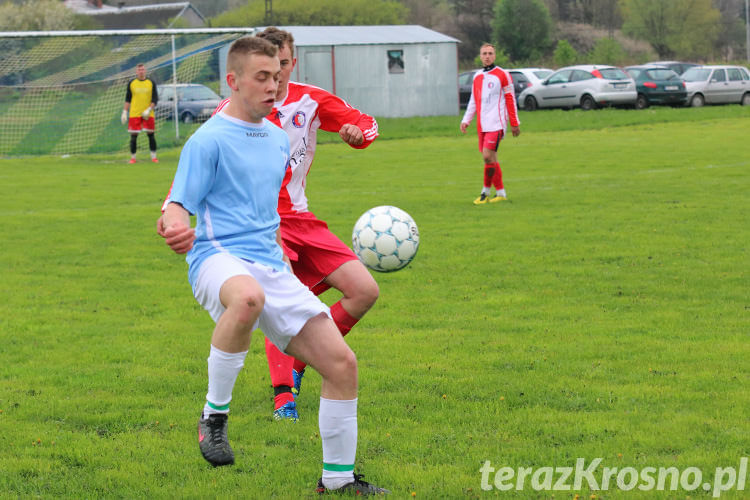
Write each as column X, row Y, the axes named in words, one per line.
column 737, row 85
column 717, row 90
column 554, row 93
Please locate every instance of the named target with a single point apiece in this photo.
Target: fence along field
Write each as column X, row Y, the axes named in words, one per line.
column 60, row 93
column 601, row 312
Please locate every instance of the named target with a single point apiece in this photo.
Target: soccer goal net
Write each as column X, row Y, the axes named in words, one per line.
column 63, row 92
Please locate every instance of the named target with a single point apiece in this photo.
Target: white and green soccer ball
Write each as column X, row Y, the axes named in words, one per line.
column 385, row 238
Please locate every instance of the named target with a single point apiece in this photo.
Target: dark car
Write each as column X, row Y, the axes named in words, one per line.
column 465, row 79
column 678, row 67
column 657, row 85
column 195, row 102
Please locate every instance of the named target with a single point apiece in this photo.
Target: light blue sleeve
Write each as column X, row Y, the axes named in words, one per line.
column 196, row 172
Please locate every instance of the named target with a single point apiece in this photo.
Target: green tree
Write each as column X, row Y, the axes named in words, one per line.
column 607, row 51
column 522, row 28
column 686, row 29
column 318, row 13
column 565, row 54
column 36, row 15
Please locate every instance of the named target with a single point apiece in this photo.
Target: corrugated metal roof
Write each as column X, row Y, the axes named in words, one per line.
column 364, row 35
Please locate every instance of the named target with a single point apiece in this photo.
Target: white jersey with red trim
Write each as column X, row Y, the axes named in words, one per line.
column 492, row 100
column 305, row 109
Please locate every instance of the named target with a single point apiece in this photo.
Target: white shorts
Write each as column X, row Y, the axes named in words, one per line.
column 288, row 303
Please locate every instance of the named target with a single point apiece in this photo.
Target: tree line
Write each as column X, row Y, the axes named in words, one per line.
column 524, row 31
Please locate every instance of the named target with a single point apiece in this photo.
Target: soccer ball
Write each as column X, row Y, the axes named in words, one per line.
column 385, row 239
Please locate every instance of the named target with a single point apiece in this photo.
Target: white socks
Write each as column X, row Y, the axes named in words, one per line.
column 501, row 192
column 486, row 191
column 338, row 431
column 223, row 368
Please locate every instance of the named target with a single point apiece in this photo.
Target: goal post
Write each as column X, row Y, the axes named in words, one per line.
column 63, row 92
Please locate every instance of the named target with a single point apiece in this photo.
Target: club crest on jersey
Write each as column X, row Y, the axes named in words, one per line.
column 490, row 85
column 298, row 120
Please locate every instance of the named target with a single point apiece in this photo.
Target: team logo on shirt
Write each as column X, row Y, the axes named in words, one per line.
column 298, row 120
column 490, row 85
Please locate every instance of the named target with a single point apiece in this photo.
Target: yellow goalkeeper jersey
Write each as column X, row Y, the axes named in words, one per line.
column 140, row 95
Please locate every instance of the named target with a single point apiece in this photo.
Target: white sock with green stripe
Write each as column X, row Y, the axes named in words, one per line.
column 223, row 368
column 338, row 431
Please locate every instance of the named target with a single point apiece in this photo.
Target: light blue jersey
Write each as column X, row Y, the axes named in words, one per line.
column 229, row 177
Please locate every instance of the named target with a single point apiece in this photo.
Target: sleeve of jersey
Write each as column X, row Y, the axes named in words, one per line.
column 154, row 93
column 510, row 99
column 128, row 93
column 195, row 174
column 471, row 107
column 335, row 112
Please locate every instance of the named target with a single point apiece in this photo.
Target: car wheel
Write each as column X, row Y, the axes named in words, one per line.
column 641, row 102
column 746, row 99
column 530, row 103
column 587, row 103
column 187, row 118
column 697, row 101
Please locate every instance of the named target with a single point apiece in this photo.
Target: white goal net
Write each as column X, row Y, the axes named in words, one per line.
column 63, row 92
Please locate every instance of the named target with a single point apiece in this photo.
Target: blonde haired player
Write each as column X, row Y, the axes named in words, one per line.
column 138, row 112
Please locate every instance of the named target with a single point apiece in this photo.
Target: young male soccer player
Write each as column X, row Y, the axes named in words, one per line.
column 138, row 112
column 319, row 259
column 229, row 175
column 494, row 102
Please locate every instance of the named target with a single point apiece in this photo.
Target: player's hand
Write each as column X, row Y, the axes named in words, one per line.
column 516, row 131
column 178, row 236
column 124, row 117
column 146, row 113
column 351, row 134
column 464, row 126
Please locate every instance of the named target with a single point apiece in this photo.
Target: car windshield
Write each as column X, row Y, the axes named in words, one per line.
column 200, row 94
column 661, row 74
column 613, row 74
column 696, row 75
column 542, row 73
column 635, row 72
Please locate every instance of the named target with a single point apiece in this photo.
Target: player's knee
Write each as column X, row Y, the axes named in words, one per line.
column 368, row 292
column 346, row 365
column 247, row 305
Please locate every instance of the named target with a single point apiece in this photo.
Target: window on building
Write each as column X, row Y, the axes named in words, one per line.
column 395, row 61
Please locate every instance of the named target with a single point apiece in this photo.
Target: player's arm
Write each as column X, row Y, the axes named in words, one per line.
column 471, row 110
column 510, row 104
column 355, row 128
column 176, row 228
column 126, row 106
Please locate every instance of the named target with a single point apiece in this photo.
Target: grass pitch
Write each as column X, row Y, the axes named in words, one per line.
column 602, row 312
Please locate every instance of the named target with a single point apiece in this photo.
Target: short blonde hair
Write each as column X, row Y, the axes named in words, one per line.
column 245, row 46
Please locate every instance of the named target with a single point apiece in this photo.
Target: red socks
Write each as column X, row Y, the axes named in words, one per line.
column 493, row 175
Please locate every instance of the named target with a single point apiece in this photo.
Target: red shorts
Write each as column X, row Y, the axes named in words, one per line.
column 490, row 140
column 136, row 124
column 314, row 250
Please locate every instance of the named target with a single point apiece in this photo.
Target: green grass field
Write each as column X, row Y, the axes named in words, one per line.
column 602, row 312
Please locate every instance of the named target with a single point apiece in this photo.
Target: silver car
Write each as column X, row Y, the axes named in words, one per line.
column 717, row 85
column 584, row 86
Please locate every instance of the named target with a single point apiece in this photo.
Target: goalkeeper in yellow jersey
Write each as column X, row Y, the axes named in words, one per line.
column 138, row 111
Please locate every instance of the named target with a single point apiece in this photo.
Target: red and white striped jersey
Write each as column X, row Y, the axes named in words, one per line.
column 492, row 100
column 305, row 109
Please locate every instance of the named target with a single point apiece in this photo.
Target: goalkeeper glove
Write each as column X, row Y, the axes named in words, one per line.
column 146, row 113
column 124, row 116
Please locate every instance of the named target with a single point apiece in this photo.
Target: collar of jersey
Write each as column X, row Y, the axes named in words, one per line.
column 487, row 68
column 239, row 122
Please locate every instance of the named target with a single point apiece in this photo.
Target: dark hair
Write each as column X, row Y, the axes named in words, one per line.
column 246, row 46
column 278, row 37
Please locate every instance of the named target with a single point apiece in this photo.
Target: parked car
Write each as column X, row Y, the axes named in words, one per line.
column 717, row 85
column 678, row 67
column 195, row 102
column 465, row 79
column 657, row 85
column 585, row 86
column 524, row 78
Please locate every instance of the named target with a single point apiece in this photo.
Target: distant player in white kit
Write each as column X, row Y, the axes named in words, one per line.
column 229, row 175
column 494, row 102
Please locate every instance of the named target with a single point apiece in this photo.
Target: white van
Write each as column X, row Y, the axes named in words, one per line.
column 717, row 85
